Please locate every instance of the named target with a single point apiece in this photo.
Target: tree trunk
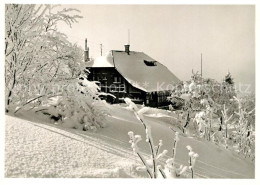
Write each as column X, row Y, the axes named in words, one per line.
column 187, row 120
column 226, row 130
column 221, row 122
column 10, row 92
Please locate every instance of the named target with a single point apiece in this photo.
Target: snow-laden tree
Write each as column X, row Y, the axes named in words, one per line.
column 204, row 96
column 36, row 53
column 243, row 132
column 79, row 107
column 221, row 114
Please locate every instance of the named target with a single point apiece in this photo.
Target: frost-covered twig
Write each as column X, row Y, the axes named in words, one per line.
column 155, row 151
column 170, row 169
column 134, row 139
column 176, row 139
column 139, row 116
column 226, row 119
column 162, row 172
column 150, row 165
column 192, row 159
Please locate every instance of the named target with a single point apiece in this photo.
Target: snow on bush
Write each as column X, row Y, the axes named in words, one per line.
column 219, row 115
column 198, row 94
column 41, row 64
column 244, row 129
column 81, row 108
column 151, row 165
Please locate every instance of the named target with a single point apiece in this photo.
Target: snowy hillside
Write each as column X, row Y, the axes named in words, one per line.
column 38, row 149
column 59, row 120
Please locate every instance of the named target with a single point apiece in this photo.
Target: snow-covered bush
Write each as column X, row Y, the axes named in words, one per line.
column 203, row 95
column 219, row 115
column 81, row 108
column 151, row 165
column 204, row 100
column 41, row 64
column 243, row 132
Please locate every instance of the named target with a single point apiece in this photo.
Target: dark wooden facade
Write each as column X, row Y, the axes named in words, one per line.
column 111, row 81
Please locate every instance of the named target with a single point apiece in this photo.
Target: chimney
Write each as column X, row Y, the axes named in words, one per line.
column 127, row 49
column 86, row 52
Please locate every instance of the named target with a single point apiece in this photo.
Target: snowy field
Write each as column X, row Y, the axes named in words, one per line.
column 36, row 148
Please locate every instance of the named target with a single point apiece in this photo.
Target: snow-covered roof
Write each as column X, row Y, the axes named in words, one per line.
column 140, row 70
column 102, row 61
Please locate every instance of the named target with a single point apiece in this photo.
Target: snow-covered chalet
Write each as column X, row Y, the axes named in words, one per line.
column 131, row 74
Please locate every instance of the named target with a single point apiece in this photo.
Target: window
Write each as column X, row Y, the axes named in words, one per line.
column 122, row 88
column 112, row 88
column 104, row 87
column 115, row 78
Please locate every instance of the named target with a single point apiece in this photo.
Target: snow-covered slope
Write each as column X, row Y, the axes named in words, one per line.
column 213, row 161
column 47, row 150
column 38, row 150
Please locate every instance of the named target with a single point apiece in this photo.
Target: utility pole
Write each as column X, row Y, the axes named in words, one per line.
column 201, row 64
column 101, row 49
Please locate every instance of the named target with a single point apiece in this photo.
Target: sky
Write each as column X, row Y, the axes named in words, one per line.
column 175, row 35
